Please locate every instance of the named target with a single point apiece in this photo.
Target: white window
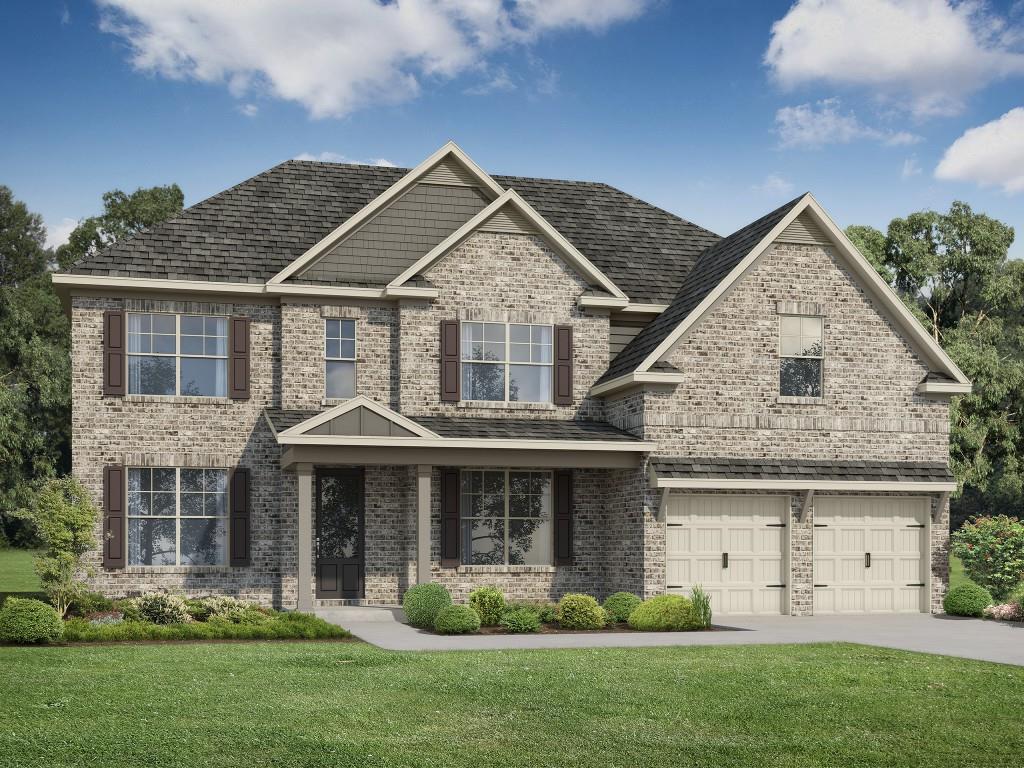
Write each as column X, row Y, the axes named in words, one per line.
column 177, row 355
column 505, row 517
column 801, row 350
column 177, row 516
column 340, row 358
column 506, row 361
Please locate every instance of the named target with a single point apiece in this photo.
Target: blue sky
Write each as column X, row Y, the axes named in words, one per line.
column 879, row 107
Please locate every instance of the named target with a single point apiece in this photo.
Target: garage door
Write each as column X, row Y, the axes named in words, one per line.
column 869, row 554
column 733, row 546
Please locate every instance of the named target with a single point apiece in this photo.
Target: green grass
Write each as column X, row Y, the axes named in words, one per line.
column 16, row 572
column 956, row 572
column 349, row 704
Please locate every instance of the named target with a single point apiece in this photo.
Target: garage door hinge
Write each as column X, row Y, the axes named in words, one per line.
column 775, row 525
column 819, row 585
column 775, row 585
column 916, row 585
column 919, row 525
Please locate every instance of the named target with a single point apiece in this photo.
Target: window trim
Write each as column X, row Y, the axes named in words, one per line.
column 821, row 357
column 178, row 517
column 507, row 362
column 177, row 354
column 353, row 360
column 506, row 518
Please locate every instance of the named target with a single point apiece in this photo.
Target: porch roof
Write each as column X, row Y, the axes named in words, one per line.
column 800, row 474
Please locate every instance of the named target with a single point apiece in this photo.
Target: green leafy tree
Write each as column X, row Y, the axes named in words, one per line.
column 65, row 520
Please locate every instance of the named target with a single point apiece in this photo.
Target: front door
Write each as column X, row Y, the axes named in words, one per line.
column 339, row 534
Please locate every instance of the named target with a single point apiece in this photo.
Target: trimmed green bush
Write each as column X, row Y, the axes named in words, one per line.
column 967, row 599
column 489, row 603
column 423, row 602
column 520, row 620
column 158, row 608
column 457, row 620
column 580, row 612
column 701, row 606
column 620, row 605
column 277, row 626
column 665, row 613
column 546, row 612
column 91, row 602
column 992, row 551
column 29, row 621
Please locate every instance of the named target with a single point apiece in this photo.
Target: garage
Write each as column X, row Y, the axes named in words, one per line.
column 735, row 546
column 870, row 554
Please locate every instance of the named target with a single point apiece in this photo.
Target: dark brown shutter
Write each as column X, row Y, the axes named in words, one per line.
column 238, row 525
column 450, row 389
column 449, row 517
column 238, row 358
column 563, row 365
column 113, row 517
column 563, row 517
column 114, row 364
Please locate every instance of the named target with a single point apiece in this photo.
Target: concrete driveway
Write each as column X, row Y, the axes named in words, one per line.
column 968, row 638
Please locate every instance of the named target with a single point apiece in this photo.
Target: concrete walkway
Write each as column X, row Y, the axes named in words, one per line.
column 968, row 638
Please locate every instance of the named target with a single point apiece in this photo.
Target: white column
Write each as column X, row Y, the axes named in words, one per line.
column 305, row 533
column 423, row 523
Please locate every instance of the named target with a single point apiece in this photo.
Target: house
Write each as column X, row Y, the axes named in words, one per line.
column 332, row 382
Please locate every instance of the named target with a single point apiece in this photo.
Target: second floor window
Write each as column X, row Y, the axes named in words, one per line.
column 801, row 350
column 340, row 359
column 177, row 355
column 506, row 361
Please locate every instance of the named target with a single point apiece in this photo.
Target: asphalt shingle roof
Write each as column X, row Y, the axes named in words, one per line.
column 252, row 231
column 802, row 469
column 710, row 269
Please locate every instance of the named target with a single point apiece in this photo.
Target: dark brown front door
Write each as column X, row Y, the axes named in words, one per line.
column 339, row 534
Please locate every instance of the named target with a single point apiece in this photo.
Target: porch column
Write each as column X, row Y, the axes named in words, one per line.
column 305, row 533
column 423, row 523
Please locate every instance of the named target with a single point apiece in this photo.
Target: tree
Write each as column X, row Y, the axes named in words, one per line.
column 65, row 520
column 124, row 215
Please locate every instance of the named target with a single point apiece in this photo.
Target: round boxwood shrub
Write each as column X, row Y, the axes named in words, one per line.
column 580, row 612
column 967, row 599
column 521, row 620
column 161, row 609
column 423, row 602
column 457, row 620
column 665, row 613
column 620, row 605
column 489, row 602
column 29, row 621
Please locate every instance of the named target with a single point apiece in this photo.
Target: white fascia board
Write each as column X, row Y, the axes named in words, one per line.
column 943, row 388
column 800, row 485
column 615, row 446
column 153, row 284
column 359, row 401
column 387, row 196
column 408, row 291
column 635, row 379
column 294, row 289
column 266, row 418
column 653, row 309
column 511, row 197
column 610, row 302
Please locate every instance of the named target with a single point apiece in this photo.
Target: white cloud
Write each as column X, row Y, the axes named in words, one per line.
column 58, row 233
column 249, row 110
column 335, row 157
column 335, row 57
column 65, row 16
column 773, row 186
column 910, row 168
column 925, row 56
column 499, row 81
column 815, row 125
column 990, row 155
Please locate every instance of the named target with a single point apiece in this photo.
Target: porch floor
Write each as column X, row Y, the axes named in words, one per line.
column 967, row 638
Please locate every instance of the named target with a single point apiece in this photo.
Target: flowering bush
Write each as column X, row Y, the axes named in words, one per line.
column 1004, row 612
column 992, row 551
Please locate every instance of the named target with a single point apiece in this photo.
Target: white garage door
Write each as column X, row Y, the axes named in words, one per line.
column 869, row 554
column 733, row 546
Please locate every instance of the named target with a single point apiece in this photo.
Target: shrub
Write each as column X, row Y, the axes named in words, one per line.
column 521, row 620
column 1016, row 597
column 29, row 621
column 967, row 599
column 580, row 612
column 1005, row 612
column 160, row 608
column 546, row 612
column 665, row 613
column 104, row 617
column 701, row 606
column 620, row 605
column 423, row 602
column 992, row 551
column 457, row 620
column 91, row 602
column 489, row 603
column 278, row 626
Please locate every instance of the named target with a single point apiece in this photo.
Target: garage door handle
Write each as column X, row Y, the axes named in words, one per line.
column 725, row 559
column 867, row 559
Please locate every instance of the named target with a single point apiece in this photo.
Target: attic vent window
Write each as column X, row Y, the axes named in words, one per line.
column 801, row 351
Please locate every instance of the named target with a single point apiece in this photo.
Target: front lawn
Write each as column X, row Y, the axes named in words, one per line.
column 259, row 704
column 957, row 575
column 16, row 571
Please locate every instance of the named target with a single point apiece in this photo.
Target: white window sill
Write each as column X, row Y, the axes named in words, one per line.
column 177, row 569
column 178, row 399
column 508, row 569
column 501, row 405
column 790, row 400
